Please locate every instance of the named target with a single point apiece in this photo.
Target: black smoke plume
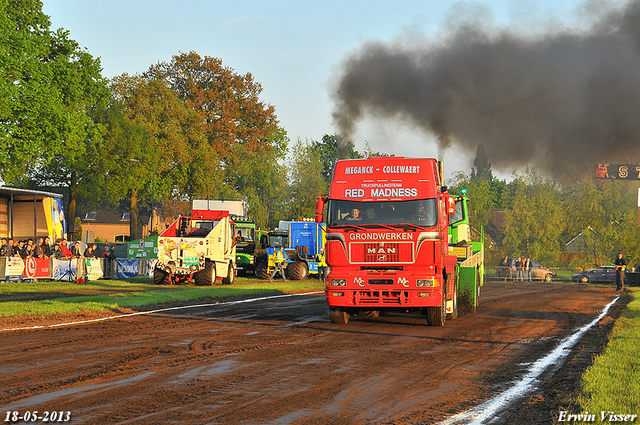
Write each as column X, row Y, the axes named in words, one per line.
column 553, row 100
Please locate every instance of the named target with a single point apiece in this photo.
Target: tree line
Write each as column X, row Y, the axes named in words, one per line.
column 536, row 217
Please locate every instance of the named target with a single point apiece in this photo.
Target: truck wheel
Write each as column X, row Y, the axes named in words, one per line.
column 339, row 316
column 297, row 270
column 206, row 276
column 454, row 314
column 261, row 271
column 436, row 316
column 160, row 277
column 230, row 276
column 369, row 313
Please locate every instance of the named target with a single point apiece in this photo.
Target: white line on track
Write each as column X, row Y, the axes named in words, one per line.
column 488, row 410
column 57, row 325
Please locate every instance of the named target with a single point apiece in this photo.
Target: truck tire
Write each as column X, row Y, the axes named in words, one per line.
column 206, row 276
column 160, row 277
column 231, row 276
column 436, row 316
column 297, row 270
column 261, row 271
column 372, row 314
column 338, row 316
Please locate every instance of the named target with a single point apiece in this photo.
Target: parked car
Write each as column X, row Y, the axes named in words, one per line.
column 536, row 271
column 602, row 274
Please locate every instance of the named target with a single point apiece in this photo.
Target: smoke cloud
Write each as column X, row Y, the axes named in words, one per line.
column 561, row 98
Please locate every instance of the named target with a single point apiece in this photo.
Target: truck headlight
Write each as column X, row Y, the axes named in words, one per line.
column 433, row 283
column 338, row 282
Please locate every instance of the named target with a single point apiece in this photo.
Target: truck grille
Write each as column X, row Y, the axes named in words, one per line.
column 381, row 252
column 380, row 281
column 381, row 297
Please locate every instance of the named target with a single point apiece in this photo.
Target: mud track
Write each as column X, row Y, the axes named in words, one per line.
column 280, row 361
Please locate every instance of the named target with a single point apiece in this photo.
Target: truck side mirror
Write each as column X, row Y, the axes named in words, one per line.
column 320, row 200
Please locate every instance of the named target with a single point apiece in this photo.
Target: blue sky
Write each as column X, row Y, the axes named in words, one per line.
column 293, row 48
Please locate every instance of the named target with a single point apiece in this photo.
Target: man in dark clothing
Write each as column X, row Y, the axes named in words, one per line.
column 621, row 265
column 46, row 247
column 5, row 249
column 110, row 258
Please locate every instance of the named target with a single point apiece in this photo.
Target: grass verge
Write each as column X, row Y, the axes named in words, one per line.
column 52, row 297
column 612, row 382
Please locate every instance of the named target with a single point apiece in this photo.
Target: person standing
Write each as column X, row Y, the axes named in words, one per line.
column 37, row 251
column 322, row 266
column 526, row 266
column 503, row 268
column 621, row 265
column 111, row 263
column 46, row 247
column 5, row 249
column 279, row 263
column 75, row 250
column 64, row 249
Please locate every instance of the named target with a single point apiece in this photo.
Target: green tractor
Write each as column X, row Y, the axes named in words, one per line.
column 246, row 242
column 470, row 267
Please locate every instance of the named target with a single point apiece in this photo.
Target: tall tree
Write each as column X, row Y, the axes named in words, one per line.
column 535, row 223
column 260, row 179
column 48, row 86
column 482, row 165
column 234, row 120
column 306, row 180
column 173, row 155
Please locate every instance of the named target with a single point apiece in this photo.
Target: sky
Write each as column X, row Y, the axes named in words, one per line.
column 294, row 49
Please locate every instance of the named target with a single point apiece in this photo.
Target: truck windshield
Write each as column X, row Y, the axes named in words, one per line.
column 245, row 234
column 276, row 241
column 422, row 213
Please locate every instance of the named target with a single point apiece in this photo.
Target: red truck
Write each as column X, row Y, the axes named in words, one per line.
column 387, row 239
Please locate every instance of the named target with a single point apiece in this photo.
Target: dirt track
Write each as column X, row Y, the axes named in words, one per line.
column 280, row 361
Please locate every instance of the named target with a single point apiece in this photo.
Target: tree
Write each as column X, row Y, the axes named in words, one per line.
column 482, row 165
column 260, row 179
column 234, row 121
column 535, row 223
column 329, row 150
column 48, row 86
column 170, row 149
column 306, row 180
column 605, row 213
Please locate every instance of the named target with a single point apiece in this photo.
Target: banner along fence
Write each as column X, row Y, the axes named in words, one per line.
column 14, row 269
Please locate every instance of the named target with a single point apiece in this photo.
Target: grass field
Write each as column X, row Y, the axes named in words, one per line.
column 20, row 298
column 612, row 383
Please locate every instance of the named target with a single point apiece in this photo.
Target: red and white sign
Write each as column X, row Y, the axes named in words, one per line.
column 36, row 268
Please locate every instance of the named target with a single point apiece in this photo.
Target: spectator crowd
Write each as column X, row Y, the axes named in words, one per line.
column 61, row 250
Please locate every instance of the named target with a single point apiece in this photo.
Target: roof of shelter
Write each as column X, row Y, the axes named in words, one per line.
column 26, row 194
